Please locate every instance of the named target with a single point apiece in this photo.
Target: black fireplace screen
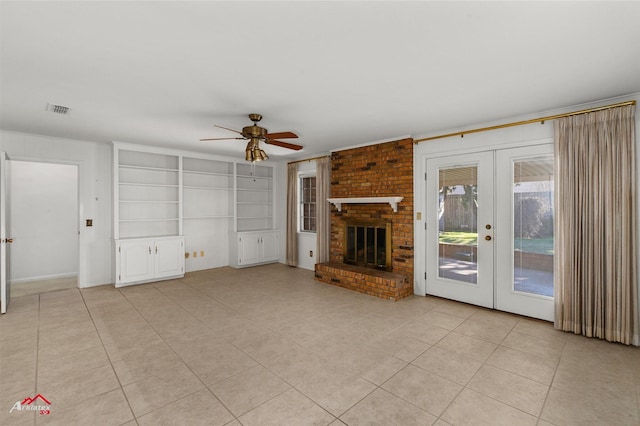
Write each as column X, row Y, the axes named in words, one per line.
column 368, row 244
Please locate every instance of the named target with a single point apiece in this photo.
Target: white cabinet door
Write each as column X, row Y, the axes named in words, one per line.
column 248, row 249
column 257, row 247
column 143, row 260
column 135, row 261
column 269, row 247
column 169, row 257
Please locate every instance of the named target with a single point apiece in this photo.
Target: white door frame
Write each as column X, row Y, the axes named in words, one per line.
column 80, row 205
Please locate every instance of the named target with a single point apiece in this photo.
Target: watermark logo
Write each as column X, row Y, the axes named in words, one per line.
column 38, row 403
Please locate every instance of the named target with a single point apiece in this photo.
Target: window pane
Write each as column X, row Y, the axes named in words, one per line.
column 457, row 245
column 533, row 226
column 307, row 204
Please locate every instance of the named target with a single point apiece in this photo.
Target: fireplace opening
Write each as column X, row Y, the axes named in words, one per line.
column 368, row 244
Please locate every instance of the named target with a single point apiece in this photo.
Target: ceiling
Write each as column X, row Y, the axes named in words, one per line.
column 336, row 73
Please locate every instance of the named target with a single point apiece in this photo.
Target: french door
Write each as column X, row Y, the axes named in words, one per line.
column 460, row 253
column 490, row 229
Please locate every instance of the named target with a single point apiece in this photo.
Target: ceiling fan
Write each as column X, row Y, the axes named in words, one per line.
column 254, row 134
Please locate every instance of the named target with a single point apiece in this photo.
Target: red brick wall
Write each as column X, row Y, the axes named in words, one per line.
column 383, row 170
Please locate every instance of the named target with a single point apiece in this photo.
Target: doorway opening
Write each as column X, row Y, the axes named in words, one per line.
column 44, row 209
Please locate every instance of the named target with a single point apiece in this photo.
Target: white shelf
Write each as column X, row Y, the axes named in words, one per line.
column 207, row 217
column 151, row 220
column 159, row 169
column 210, row 188
column 150, row 201
column 196, row 172
column 158, row 185
column 254, row 189
column 393, row 201
column 255, row 177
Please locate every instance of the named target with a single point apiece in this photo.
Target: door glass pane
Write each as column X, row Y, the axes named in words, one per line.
column 533, row 226
column 457, row 224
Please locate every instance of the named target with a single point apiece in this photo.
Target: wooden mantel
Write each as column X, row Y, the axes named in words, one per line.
column 393, row 201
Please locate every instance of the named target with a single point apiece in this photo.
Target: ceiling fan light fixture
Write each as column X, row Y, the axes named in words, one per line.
column 261, row 155
column 254, row 155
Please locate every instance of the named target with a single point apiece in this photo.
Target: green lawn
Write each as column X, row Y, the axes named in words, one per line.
column 464, row 238
column 533, row 245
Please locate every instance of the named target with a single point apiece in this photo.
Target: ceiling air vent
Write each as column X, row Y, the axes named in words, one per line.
column 58, row 109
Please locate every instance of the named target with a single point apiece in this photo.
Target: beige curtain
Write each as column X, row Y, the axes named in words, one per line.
column 292, row 214
column 323, row 210
column 596, row 291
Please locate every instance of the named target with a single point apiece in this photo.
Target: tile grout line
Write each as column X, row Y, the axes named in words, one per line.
column 555, row 371
column 177, row 354
column 465, row 386
column 108, row 357
column 255, row 360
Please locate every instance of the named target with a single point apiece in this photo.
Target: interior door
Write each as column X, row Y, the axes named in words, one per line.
column 5, row 240
column 524, row 219
column 459, row 206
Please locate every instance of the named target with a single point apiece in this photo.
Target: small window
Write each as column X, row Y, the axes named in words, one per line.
column 308, row 204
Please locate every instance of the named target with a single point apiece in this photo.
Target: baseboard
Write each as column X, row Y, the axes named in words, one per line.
column 43, row 277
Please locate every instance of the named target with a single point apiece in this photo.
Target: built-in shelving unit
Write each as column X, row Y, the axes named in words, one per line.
column 168, row 201
column 254, row 197
column 148, row 194
column 207, row 187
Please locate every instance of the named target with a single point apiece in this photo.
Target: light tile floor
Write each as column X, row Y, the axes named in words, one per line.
column 271, row 346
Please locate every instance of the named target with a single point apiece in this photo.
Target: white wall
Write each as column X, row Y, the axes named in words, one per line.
column 94, row 168
column 44, row 220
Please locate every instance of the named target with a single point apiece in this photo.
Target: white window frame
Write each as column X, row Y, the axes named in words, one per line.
column 302, row 176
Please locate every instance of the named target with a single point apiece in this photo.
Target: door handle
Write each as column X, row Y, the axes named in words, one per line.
column 8, row 240
column 488, row 238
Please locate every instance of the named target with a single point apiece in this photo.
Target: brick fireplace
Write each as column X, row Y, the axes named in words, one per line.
column 382, row 170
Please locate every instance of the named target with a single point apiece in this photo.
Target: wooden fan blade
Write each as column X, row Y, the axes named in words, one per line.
column 219, row 139
column 283, row 144
column 226, row 128
column 282, row 135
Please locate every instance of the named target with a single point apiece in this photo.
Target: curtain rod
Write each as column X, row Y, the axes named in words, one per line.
column 308, row 159
column 520, row 123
